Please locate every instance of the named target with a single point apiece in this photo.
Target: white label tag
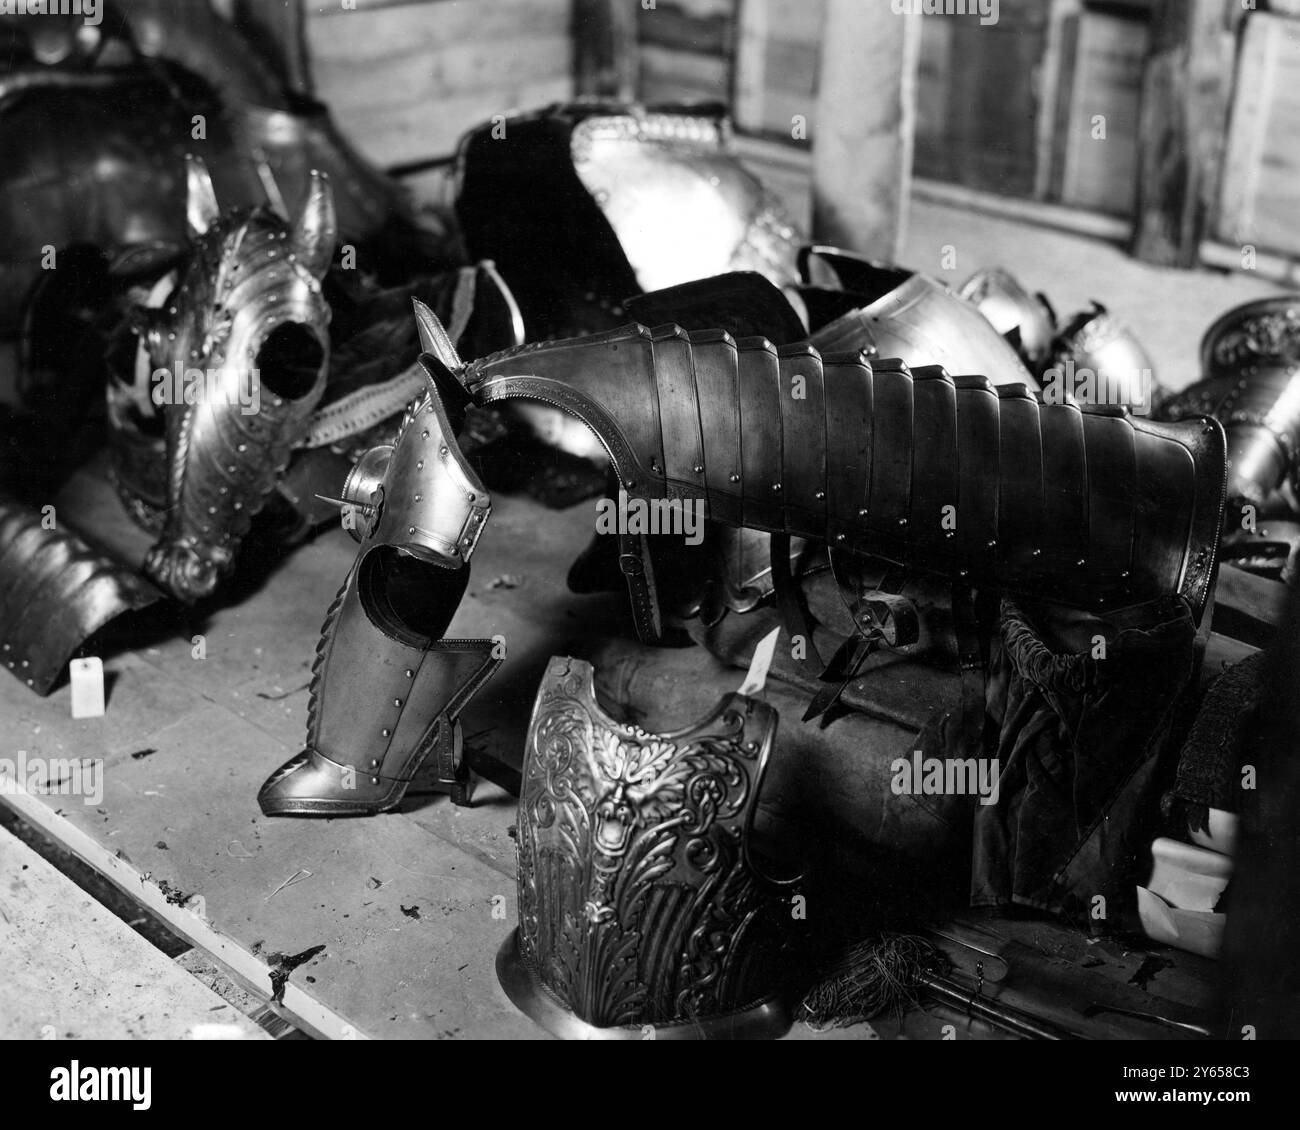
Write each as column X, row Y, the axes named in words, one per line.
column 756, row 680
column 87, row 677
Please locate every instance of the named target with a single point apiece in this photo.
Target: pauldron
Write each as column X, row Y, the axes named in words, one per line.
column 642, row 899
column 582, row 206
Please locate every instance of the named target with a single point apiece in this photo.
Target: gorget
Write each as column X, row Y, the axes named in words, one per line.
column 643, row 899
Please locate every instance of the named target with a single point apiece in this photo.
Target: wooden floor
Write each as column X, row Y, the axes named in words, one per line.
column 385, row 927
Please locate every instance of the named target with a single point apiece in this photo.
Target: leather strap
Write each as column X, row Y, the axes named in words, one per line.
column 789, row 598
column 634, row 560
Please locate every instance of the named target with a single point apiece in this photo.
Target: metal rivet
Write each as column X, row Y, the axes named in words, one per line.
column 397, row 702
column 410, row 529
column 735, row 478
column 902, row 521
column 417, row 498
column 862, row 513
column 776, row 486
column 698, row 468
column 374, row 780
column 420, row 465
column 386, row 732
column 839, row 537
column 410, row 674
column 442, row 450
column 425, row 433
column 820, row 495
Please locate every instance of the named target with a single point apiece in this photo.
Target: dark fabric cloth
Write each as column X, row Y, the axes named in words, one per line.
column 1078, row 729
column 1209, row 766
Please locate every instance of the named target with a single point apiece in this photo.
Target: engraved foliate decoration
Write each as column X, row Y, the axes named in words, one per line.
column 639, row 898
column 1250, row 359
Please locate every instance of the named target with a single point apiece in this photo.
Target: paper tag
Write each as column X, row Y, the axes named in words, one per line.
column 756, row 680
column 87, row 677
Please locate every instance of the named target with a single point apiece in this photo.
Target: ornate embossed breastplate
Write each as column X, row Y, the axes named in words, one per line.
column 640, row 900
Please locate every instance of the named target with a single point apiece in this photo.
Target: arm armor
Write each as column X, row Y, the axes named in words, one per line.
column 951, row 475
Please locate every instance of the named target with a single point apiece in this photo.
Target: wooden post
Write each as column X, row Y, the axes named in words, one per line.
column 862, row 127
column 605, row 48
column 1186, row 87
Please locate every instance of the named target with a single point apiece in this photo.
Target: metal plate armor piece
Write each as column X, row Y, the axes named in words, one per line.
column 582, row 206
column 949, row 476
column 1121, row 371
column 893, row 312
column 386, row 688
column 1026, row 320
column 232, row 367
column 57, row 592
column 1250, row 363
column 642, row 896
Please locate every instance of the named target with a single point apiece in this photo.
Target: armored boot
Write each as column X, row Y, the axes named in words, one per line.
column 386, row 688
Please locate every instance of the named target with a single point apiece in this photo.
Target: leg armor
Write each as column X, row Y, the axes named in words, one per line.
column 386, row 688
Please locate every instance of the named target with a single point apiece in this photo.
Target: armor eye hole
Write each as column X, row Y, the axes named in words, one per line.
column 290, row 361
column 409, row 599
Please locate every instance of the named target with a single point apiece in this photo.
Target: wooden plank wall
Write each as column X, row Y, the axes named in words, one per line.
column 406, row 78
column 1260, row 195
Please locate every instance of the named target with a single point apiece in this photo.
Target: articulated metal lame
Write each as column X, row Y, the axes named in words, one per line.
column 949, row 475
column 58, row 592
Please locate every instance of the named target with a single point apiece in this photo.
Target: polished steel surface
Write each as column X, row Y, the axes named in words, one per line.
column 1013, row 312
column 1250, row 359
column 641, row 897
column 233, row 365
column 57, row 591
column 387, row 688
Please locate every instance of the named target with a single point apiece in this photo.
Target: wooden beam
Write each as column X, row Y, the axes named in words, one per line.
column 1186, row 86
column 605, row 48
column 862, row 126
